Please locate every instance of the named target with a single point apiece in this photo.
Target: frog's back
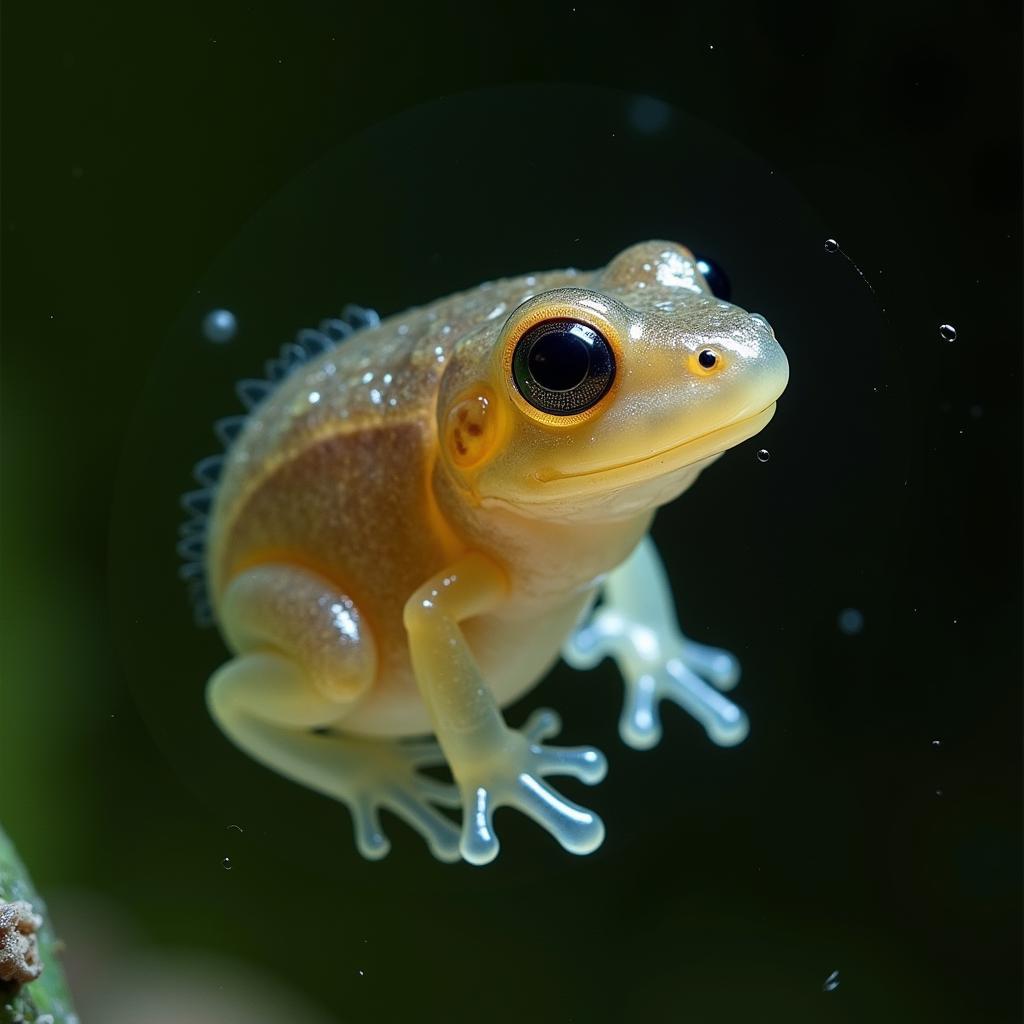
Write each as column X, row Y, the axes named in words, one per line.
column 333, row 470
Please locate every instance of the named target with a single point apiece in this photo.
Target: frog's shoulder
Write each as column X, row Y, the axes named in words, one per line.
column 309, row 345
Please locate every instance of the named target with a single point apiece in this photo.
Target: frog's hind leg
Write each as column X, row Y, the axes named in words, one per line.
column 304, row 656
column 636, row 625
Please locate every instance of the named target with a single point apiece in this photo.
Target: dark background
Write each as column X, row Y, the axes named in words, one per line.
column 161, row 162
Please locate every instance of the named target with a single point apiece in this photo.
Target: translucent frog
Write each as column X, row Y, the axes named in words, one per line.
column 418, row 516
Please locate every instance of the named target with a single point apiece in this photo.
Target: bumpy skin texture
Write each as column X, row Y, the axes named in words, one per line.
column 343, row 484
column 401, row 543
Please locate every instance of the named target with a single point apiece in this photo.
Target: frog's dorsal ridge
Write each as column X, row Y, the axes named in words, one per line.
column 308, row 344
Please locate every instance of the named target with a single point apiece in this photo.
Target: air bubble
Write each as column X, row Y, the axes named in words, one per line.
column 936, row 744
column 947, row 332
column 226, row 863
column 831, row 982
column 219, row 325
column 831, row 245
column 851, row 621
column 763, row 455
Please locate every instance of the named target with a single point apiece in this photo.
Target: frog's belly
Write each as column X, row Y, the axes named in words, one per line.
column 358, row 509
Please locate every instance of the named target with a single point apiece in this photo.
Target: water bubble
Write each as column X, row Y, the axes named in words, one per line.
column 831, row 982
column 936, row 744
column 947, row 332
column 831, row 245
column 763, row 455
column 851, row 621
column 226, row 863
column 648, row 115
column 219, row 325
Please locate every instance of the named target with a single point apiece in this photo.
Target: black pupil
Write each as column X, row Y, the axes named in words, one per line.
column 560, row 361
column 563, row 366
column 707, row 359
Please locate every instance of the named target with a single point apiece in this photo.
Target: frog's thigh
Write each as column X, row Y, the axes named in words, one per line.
column 304, row 655
column 285, row 615
column 492, row 764
column 636, row 625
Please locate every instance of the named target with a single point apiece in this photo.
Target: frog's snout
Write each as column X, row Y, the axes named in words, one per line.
column 744, row 361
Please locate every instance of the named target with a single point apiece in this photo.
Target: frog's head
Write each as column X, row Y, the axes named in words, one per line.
column 603, row 401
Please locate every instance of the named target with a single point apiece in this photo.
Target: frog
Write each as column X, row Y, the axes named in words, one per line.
column 418, row 516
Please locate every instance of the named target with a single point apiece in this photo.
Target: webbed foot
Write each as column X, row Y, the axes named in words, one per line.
column 656, row 665
column 512, row 776
column 367, row 775
column 385, row 774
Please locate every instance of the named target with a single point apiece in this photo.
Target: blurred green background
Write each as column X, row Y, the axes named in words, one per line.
column 158, row 163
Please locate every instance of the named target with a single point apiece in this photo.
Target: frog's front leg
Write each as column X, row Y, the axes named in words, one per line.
column 304, row 655
column 636, row 625
column 493, row 765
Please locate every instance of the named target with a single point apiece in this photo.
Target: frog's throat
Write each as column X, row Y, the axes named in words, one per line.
column 693, row 450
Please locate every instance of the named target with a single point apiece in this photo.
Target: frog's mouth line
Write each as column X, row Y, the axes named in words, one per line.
column 703, row 446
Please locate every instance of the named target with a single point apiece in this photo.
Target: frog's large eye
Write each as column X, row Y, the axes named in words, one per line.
column 562, row 366
column 715, row 277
